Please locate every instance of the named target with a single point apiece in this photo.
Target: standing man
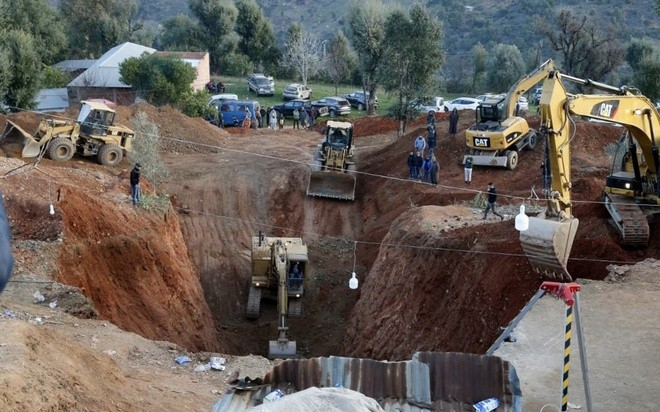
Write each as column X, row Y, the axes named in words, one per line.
column 430, row 118
column 303, row 118
column 420, row 145
column 273, row 119
column 296, row 118
column 419, row 162
column 453, row 122
column 264, row 117
column 435, row 168
column 468, row 170
column 431, row 138
column 411, row 165
column 6, row 256
column 135, row 184
column 492, row 198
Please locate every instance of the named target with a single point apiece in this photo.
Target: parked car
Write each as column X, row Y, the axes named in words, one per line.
column 217, row 98
column 287, row 108
column 296, row 91
column 536, row 96
column 429, row 104
column 335, row 105
column 261, row 85
column 523, row 104
column 463, row 103
column 358, row 100
column 232, row 112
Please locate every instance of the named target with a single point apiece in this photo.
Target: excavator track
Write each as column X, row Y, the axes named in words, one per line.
column 295, row 307
column 629, row 220
column 254, row 303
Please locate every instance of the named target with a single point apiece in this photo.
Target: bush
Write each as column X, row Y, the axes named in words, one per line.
column 196, row 104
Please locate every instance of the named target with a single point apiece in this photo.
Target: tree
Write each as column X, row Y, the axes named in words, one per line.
column 367, row 22
column 94, row 26
column 20, row 72
column 41, row 21
column 217, row 19
column 180, row 33
column 411, row 57
column 505, row 67
column 256, row 32
column 340, row 61
column 303, row 55
column 638, row 51
column 159, row 79
column 647, row 78
column 587, row 52
column 145, row 150
column 480, row 58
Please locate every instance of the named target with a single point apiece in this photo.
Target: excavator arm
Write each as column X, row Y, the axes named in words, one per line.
column 282, row 347
column 523, row 85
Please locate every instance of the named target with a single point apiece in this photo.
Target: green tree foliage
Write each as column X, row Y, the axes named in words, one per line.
column 505, row 66
column 41, row 21
column 587, row 51
column 340, row 61
column 196, row 104
column 94, row 26
column 638, row 51
column 180, row 33
column 367, row 22
column 256, row 32
column 54, row 78
column 20, row 71
column 217, row 19
column 480, row 58
column 145, row 150
column 411, row 57
column 647, row 78
column 159, row 79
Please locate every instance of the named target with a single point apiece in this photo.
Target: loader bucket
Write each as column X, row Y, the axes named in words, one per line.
column 282, row 349
column 336, row 185
column 31, row 147
column 547, row 244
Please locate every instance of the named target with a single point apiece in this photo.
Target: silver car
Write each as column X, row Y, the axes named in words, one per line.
column 296, row 91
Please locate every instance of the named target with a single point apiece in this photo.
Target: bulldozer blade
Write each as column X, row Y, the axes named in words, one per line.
column 31, row 147
column 336, row 185
column 282, row 349
column 547, row 244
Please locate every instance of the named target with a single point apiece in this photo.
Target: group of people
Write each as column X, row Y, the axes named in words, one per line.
column 422, row 168
column 301, row 118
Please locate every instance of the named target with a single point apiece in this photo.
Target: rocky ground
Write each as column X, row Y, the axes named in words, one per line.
column 128, row 281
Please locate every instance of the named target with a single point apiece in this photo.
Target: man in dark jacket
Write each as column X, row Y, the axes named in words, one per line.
column 6, row 256
column 419, row 162
column 135, row 183
column 431, row 138
column 492, row 198
column 453, row 122
column 435, row 168
column 430, row 118
column 411, row 165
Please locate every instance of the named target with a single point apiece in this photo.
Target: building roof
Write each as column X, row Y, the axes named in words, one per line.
column 105, row 71
column 73, row 65
column 52, row 100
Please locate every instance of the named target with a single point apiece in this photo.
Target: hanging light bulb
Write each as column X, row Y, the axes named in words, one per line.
column 52, row 209
column 522, row 221
column 353, row 282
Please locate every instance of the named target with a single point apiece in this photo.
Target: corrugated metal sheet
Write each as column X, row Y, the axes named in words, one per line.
column 430, row 381
column 52, row 100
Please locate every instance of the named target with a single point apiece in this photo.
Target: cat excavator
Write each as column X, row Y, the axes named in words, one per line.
column 336, row 163
column 279, row 269
column 500, row 134
column 631, row 194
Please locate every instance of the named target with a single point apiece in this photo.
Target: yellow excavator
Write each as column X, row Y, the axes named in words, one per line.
column 499, row 133
column 279, row 271
column 94, row 133
column 631, row 193
column 336, row 162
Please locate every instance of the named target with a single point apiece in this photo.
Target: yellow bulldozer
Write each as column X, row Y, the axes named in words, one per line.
column 279, row 272
column 93, row 133
column 334, row 179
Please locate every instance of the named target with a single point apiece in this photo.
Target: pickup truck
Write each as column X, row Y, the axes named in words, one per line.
column 260, row 85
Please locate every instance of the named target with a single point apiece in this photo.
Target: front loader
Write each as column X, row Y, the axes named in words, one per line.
column 336, row 162
column 92, row 134
column 279, row 269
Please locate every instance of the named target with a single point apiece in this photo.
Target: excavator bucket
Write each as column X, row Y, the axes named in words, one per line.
column 547, row 244
column 31, row 147
column 336, row 185
column 282, row 348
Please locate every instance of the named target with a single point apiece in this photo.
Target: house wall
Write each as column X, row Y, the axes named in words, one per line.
column 203, row 73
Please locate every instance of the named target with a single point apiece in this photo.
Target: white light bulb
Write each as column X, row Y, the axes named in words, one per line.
column 522, row 221
column 353, row 282
column 52, row 209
